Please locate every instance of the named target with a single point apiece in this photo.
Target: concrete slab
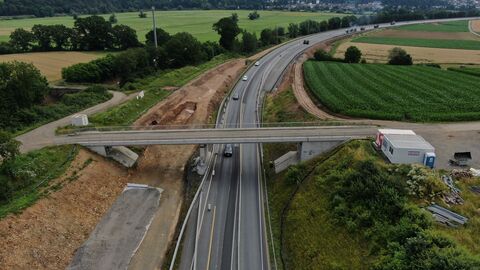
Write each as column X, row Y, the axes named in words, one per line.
column 120, row 232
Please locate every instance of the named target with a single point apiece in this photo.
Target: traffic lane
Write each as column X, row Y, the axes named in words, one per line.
column 189, row 242
column 251, row 238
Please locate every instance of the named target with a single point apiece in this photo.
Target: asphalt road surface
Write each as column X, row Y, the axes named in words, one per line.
column 227, row 230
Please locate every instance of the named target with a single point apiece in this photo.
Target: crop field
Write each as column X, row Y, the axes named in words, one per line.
column 196, row 22
column 455, row 26
column 419, row 42
column 50, row 64
column 405, row 93
column 467, row 70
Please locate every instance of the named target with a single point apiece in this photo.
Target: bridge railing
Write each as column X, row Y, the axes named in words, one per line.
column 72, row 130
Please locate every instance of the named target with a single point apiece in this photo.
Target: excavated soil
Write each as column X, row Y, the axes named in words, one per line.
column 46, row 235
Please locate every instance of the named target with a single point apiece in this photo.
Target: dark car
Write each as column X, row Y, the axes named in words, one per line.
column 228, row 151
column 306, row 41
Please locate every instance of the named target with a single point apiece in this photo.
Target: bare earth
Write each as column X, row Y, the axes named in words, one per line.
column 475, row 25
column 379, row 53
column 50, row 64
column 46, row 235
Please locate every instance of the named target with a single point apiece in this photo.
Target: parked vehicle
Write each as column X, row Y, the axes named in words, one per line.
column 228, row 151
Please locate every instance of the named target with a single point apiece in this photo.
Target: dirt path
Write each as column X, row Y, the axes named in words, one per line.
column 474, row 27
column 43, row 136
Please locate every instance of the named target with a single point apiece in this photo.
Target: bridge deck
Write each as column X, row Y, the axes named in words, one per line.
column 219, row 136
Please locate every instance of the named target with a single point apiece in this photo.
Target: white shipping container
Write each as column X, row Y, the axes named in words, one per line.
column 385, row 131
column 405, row 148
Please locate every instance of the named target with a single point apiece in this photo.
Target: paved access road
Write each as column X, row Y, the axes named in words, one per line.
column 232, row 234
column 45, row 135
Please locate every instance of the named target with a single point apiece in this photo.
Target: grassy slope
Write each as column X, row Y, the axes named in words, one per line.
column 37, row 169
column 197, row 22
column 469, row 235
column 417, row 42
column 282, row 107
column 455, row 26
column 130, row 111
column 379, row 91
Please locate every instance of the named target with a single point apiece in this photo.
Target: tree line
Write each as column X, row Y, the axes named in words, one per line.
column 46, row 8
column 92, row 33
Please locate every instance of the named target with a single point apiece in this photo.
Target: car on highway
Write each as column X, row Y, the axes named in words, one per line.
column 257, row 64
column 235, row 96
column 393, row 23
column 306, row 41
column 245, row 78
column 228, row 151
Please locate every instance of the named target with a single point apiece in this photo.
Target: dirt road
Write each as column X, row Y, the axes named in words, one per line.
column 42, row 136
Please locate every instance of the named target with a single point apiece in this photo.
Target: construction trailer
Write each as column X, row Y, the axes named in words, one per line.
column 386, row 131
column 408, row 149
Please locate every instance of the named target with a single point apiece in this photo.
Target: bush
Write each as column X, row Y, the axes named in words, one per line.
column 353, row 55
column 398, row 56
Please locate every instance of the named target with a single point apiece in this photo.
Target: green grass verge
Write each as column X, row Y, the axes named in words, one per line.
column 283, row 107
column 454, row 26
column 466, row 70
column 128, row 112
column 418, row 42
column 32, row 172
column 411, row 93
column 40, row 115
column 196, row 22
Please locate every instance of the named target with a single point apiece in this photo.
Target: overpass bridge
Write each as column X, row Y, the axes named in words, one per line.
column 218, row 136
column 312, row 140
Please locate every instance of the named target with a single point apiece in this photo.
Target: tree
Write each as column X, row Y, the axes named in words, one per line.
column 267, row 37
column 21, row 87
column 142, row 14
column 353, row 55
column 228, row 30
column 322, row 55
column 93, row 33
column 21, row 39
column 9, row 147
column 43, row 35
column 293, row 30
column 334, row 23
column 249, row 42
column 124, row 37
column 398, row 56
column 234, row 17
column 253, row 15
column 162, row 37
column 113, row 19
column 62, row 36
column 183, row 49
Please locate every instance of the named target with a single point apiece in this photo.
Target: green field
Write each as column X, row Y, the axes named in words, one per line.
column 467, row 70
column 196, row 22
column 418, row 42
column 455, row 26
column 377, row 91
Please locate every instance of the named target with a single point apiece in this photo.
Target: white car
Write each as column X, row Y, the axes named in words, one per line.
column 245, row 78
column 257, row 64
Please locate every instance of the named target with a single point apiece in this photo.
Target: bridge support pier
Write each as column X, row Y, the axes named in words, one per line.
column 205, row 150
column 305, row 151
column 121, row 154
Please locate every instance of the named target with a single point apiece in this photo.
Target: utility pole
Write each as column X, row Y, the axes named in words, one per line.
column 154, row 27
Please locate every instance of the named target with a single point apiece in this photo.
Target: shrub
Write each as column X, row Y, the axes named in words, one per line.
column 398, row 56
